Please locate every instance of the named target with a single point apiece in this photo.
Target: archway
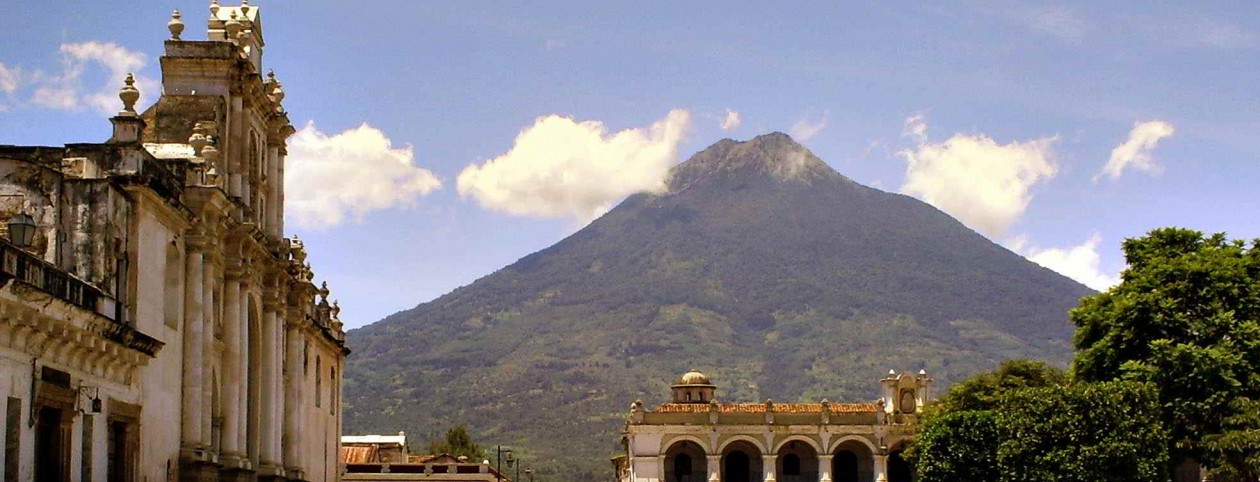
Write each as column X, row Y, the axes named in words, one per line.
column 899, row 469
column 741, row 462
column 685, row 462
column 797, row 461
column 853, row 461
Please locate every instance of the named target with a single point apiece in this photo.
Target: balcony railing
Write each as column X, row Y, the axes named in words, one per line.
column 20, row 265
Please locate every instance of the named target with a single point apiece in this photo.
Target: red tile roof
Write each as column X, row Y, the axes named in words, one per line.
column 761, row 408
column 358, row 454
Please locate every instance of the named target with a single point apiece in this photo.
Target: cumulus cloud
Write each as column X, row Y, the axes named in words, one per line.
column 984, row 184
column 67, row 90
column 329, row 178
column 1135, row 152
column 805, row 129
column 1080, row 262
column 560, row 167
column 731, row 121
column 9, row 78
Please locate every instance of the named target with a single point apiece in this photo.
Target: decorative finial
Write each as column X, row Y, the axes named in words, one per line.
column 214, row 8
column 176, row 25
column 336, row 310
column 129, row 94
column 271, row 75
column 232, row 26
column 245, row 7
column 278, row 91
column 198, row 140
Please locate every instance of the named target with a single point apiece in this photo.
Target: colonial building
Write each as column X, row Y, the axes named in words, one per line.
column 696, row 438
column 155, row 324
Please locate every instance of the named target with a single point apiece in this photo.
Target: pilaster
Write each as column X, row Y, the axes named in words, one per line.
column 768, row 467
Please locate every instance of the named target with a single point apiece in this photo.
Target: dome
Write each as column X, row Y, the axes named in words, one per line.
column 694, row 378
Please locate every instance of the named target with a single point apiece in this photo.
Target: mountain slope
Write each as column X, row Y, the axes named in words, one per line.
column 760, row 266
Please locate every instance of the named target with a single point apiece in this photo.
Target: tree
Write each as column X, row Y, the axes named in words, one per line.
column 957, row 446
column 1081, row 433
column 1185, row 319
column 959, row 439
column 986, row 390
column 458, row 443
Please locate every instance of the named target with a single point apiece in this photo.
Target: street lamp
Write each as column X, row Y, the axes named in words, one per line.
column 22, row 230
column 530, row 473
column 499, row 456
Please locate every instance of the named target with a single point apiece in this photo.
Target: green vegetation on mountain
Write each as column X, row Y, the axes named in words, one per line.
column 760, row 266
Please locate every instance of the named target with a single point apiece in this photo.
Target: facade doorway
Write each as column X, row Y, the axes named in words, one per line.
column 685, row 462
column 899, row 469
column 52, row 445
column 797, row 462
column 741, row 462
column 853, row 462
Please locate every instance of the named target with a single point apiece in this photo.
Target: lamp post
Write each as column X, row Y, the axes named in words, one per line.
column 22, row 230
column 499, row 456
column 530, row 473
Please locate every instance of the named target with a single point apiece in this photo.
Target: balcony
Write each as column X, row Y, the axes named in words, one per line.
column 18, row 265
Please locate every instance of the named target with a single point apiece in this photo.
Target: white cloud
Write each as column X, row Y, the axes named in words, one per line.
column 984, row 184
column 916, row 127
column 805, row 129
column 731, row 121
column 1080, row 262
column 559, row 167
column 67, row 91
column 1136, row 151
column 329, row 178
column 9, row 78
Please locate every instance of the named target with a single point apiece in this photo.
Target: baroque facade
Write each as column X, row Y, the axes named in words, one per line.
column 696, row 438
column 155, row 324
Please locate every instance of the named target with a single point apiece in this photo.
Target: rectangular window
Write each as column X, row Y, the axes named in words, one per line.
column 12, row 438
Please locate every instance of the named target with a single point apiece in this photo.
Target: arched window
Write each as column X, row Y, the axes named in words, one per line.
column 791, row 464
column 682, row 466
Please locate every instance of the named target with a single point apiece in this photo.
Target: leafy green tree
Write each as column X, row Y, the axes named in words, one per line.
column 957, row 446
column 1082, row 433
column 986, row 390
column 959, row 439
column 1185, row 318
column 458, row 443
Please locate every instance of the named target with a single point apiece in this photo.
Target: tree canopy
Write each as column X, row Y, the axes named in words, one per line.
column 1186, row 318
column 458, row 443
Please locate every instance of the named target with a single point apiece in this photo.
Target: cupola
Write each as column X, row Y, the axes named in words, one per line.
column 693, row 387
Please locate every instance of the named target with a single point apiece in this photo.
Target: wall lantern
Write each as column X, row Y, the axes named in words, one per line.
column 22, row 230
column 94, row 395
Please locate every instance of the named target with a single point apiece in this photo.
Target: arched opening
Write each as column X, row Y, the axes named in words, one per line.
column 741, row 462
column 685, row 462
column 797, row 462
column 853, row 462
column 899, row 469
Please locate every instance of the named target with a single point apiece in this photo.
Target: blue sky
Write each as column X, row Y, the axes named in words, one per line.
column 1012, row 116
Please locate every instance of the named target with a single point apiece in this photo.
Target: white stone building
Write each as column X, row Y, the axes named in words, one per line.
column 695, row 438
column 157, row 325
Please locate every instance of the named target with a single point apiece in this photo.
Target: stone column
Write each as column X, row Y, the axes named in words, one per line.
column 293, row 399
column 194, row 341
column 266, row 429
column 273, row 188
column 824, row 468
column 715, row 467
column 768, row 467
column 248, row 398
column 209, row 309
column 881, row 467
column 232, row 381
column 278, row 409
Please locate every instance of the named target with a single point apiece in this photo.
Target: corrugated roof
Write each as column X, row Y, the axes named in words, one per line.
column 761, row 408
column 358, row 454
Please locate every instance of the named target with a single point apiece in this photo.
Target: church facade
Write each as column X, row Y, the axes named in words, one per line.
column 696, row 438
column 155, row 323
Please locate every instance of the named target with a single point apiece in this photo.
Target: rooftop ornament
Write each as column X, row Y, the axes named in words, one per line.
column 129, row 94
column 22, row 230
column 176, row 25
